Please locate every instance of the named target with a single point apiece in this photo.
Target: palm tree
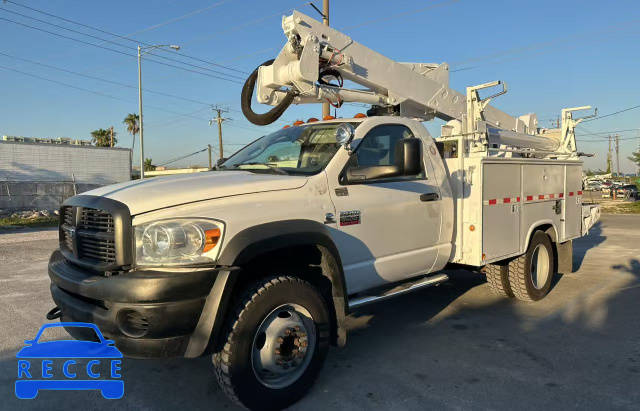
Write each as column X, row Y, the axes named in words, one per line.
column 102, row 138
column 133, row 126
column 148, row 165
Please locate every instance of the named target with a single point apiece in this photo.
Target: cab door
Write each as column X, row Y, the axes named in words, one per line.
column 387, row 229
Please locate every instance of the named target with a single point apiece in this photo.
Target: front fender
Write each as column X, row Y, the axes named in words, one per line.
column 251, row 243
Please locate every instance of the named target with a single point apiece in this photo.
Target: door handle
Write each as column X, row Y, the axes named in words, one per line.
column 429, row 197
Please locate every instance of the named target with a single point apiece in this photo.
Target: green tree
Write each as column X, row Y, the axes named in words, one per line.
column 133, row 126
column 635, row 157
column 102, row 138
column 148, row 165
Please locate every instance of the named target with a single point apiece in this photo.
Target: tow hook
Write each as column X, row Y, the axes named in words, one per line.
column 54, row 314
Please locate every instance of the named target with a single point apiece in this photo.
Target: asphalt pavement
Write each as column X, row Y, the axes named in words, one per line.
column 451, row 347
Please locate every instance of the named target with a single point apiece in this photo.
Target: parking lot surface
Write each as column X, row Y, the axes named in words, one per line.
column 456, row 346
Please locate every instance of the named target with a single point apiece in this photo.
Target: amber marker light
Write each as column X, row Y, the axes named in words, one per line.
column 211, row 238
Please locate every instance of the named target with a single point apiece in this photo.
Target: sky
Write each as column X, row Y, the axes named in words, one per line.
column 552, row 54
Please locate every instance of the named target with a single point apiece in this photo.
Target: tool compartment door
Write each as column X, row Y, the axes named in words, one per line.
column 573, row 203
column 500, row 210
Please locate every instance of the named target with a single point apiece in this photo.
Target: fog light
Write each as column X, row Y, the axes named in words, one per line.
column 132, row 323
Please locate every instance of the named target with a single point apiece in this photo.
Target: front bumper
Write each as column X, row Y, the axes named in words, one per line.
column 149, row 314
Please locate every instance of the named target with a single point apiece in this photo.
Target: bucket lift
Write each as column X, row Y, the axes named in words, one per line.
column 315, row 52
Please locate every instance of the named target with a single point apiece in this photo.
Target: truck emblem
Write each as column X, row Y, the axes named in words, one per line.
column 72, row 232
column 349, row 217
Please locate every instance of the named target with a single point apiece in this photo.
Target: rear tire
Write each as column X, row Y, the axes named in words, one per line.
column 498, row 279
column 530, row 275
column 275, row 344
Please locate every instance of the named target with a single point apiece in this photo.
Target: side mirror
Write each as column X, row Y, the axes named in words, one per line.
column 407, row 162
column 219, row 162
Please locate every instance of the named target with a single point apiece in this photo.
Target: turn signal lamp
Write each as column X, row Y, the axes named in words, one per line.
column 297, row 123
column 312, row 120
column 211, row 238
column 360, row 115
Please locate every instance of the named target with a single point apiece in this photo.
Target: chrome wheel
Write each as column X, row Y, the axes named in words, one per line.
column 540, row 266
column 283, row 346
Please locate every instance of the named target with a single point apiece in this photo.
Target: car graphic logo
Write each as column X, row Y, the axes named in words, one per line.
column 52, row 365
column 72, row 232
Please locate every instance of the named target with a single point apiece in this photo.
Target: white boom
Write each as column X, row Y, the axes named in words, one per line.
column 415, row 90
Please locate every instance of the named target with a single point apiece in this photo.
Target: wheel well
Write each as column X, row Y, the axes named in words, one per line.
column 312, row 263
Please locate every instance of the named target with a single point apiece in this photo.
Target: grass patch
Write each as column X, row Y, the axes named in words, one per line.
column 9, row 222
column 621, row 208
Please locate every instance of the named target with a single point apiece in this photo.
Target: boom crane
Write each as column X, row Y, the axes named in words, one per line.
column 421, row 91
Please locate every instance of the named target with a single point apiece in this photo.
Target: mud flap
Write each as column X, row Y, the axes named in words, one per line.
column 565, row 257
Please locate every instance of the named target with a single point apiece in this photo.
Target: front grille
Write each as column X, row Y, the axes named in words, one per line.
column 96, row 220
column 94, row 234
column 68, row 220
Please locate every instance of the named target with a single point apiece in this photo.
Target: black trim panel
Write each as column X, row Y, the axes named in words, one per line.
column 130, row 287
column 123, row 234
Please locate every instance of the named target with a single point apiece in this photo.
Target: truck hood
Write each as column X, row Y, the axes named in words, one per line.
column 161, row 192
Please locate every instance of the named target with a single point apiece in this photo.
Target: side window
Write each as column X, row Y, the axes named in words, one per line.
column 377, row 147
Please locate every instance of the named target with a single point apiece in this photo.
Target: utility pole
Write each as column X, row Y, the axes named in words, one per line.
column 638, row 151
column 618, row 153
column 209, row 147
column 111, row 136
column 326, row 110
column 219, row 120
column 142, row 52
column 556, row 121
column 140, row 128
column 609, row 164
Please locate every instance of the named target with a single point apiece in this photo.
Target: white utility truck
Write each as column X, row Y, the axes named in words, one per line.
column 260, row 261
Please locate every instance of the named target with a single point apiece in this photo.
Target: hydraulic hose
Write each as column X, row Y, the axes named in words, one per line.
column 247, row 94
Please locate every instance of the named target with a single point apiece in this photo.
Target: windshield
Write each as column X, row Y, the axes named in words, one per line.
column 305, row 149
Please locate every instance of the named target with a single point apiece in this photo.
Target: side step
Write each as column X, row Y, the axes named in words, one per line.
column 401, row 289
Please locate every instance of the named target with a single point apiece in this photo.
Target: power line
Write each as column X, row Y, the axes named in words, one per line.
column 516, row 58
column 394, row 16
column 604, row 133
column 119, row 52
column 97, row 92
column 545, row 44
column 104, row 80
column 182, row 157
column 121, row 45
column 612, row 114
column 133, row 40
column 243, row 25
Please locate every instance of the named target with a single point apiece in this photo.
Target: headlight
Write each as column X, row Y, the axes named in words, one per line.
column 178, row 242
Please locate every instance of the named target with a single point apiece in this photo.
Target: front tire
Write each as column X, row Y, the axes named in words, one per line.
column 530, row 275
column 275, row 345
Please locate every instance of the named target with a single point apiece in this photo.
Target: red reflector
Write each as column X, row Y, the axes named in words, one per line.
column 540, row 197
column 506, row 200
column 561, row 195
column 492, row 202
column 552, row 196
column 570, row 193
column 518, row 199
column 529, row 198
column 579, row 193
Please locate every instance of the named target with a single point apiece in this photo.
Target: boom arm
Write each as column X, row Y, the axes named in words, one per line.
column 421, row 90
column 416, row 90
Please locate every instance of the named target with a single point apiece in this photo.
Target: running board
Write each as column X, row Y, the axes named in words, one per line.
column 401, row 289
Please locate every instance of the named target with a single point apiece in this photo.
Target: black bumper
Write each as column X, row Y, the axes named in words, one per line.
column 149, row 314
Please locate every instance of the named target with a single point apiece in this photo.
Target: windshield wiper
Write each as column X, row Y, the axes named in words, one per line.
column 269, row 165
